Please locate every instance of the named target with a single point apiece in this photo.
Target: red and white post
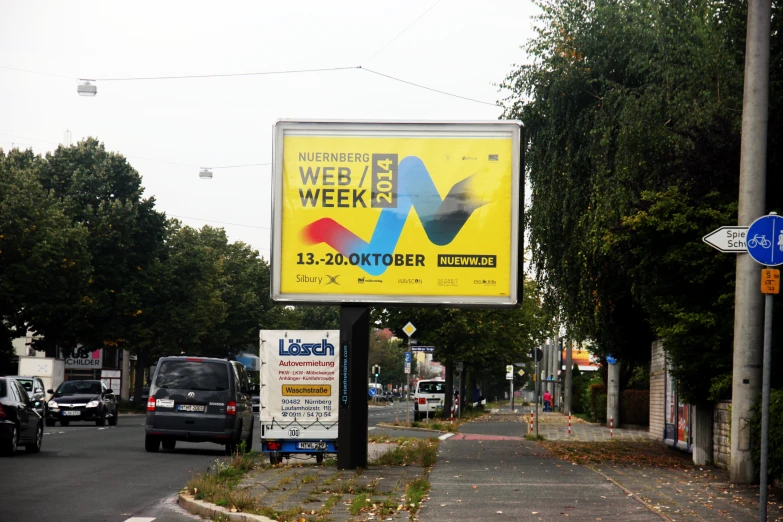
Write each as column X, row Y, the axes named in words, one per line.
column 531, row 421
column 451, row 416
column 611, row 426
column 569, row 423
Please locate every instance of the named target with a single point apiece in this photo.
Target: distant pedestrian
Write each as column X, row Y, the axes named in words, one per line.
column 547, row 401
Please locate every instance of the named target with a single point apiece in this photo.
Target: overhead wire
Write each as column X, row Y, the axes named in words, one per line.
column 376, row 53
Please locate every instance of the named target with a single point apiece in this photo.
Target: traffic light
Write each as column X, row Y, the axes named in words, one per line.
column 376, row 370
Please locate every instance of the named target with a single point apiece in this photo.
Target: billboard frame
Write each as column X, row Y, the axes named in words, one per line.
column 457, row 301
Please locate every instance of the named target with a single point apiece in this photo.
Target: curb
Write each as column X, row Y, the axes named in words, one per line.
column 405, row 428
column 199, row 507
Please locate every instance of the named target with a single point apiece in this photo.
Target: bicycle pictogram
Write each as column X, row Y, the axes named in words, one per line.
column 759, row 240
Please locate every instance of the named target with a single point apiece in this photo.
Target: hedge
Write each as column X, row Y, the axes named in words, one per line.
column 635, row 407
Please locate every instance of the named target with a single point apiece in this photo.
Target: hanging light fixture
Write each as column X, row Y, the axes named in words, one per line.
column 86, row 88
column 205, row 173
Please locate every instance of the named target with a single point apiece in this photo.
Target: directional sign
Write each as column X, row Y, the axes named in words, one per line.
column 425, row 349
column 460, row 366
column 728, row 239
column 372, row 392
column 521, row 373
column 536, row 354
column 408, row 357
column 409, row 329
column 765, row 240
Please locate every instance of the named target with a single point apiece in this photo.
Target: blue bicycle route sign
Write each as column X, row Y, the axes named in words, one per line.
column 372, row 392
column 765, row 240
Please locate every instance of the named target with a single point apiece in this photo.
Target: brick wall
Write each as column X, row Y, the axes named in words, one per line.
column 657, row 390
column 721, row 434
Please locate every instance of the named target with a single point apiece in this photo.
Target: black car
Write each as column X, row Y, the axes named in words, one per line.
column 76, row 401
column 20, row 424
column 34, row 387
column 199, row 399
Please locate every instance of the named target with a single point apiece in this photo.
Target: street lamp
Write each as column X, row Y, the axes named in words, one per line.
column 205, row 173
column 86, row 88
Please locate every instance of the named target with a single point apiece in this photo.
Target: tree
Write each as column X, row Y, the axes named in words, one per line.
column 44, row 262
column 101, row 192
column 632, row 111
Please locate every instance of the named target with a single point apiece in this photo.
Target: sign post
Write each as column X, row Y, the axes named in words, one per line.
column 536, row 354
column 510, row 378
column 409, row 330
column 765, row 246
column 460, row 368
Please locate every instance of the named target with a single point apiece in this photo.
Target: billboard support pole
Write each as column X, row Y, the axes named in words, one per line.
column 354, row 364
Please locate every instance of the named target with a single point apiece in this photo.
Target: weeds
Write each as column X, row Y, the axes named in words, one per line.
column 415, row 491
column 531, row 436
column 421, row 452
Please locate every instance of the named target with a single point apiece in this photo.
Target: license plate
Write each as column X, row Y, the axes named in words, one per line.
column 72, row 413
column 311, row 445
column 191, row 407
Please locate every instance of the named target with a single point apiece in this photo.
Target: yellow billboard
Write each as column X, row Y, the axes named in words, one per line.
column 414, row 213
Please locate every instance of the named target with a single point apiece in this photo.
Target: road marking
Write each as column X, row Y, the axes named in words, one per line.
column 446, row 436
column 140, row 519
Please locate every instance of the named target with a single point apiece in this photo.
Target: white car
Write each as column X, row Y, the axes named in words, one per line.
column 428, row 399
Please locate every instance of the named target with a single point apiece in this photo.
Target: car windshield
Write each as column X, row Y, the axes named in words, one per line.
column 432, row 387
column 27, row 384
column 192, row 375
column 78, row 388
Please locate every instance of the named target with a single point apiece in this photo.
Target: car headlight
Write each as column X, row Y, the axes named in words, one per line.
column 53, row 405
column 92, row 404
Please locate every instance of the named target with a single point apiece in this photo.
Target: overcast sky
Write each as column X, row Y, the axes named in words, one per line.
column 170, row 128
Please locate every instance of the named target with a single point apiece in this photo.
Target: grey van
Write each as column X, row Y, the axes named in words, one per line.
column 199, row 399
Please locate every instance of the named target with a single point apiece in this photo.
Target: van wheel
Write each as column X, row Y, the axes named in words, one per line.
column 151, row 443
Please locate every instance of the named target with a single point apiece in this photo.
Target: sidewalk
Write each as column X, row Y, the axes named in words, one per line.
column 477, row 479
column 489, row 468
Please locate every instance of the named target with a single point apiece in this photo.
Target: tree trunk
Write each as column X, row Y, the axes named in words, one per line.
column 447, row 405
column 138, row 381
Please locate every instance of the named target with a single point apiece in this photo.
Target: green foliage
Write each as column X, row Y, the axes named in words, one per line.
column 596, row 399
column 775, row 455
column 633, row 112
column 635, row 407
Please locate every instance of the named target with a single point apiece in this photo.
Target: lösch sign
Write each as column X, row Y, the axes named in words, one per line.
column 387, row 212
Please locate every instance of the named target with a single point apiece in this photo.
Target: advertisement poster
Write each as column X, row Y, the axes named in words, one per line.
column 398, row 213
column 299, row 384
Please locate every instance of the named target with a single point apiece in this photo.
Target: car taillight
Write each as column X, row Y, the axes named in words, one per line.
column 422, row 400
column 273, row 445
column 2, row 412
column 151, row 404
column 231, row 408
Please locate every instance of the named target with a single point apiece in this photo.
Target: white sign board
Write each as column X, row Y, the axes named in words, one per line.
column 728, row 239
column 407, row 367
column 84, row 359
column 299, row 384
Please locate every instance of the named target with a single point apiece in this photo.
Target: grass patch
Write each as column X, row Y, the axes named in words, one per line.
column 622, row 452
column 584, row 416
column 415, row 491
column 359, row 503
column 308, row 479
column 532, row 436
column 218, row 485
column 421, row 452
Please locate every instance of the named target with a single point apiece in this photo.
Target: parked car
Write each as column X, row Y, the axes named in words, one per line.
column 35, row 389
column 20, row 424
column 428, row 398
column 76, row 401
column 199, row 399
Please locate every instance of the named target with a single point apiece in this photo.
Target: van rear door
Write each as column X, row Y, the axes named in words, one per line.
column 191, row 395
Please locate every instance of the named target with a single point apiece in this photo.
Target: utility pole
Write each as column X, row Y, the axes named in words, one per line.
column 569, row 362
column 748, row 302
